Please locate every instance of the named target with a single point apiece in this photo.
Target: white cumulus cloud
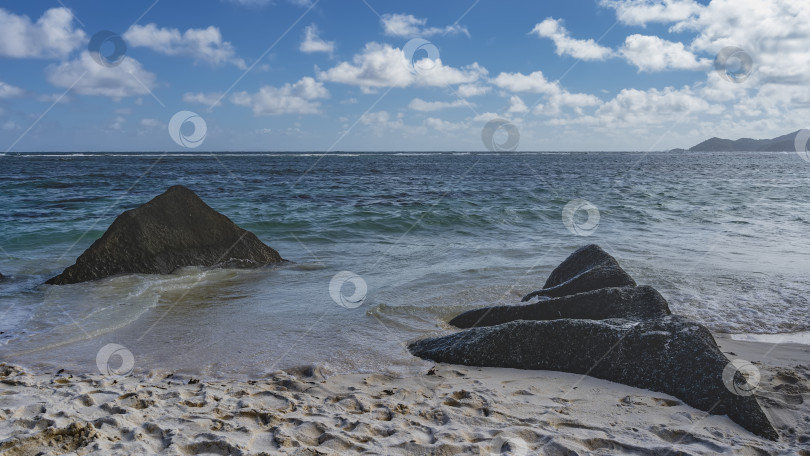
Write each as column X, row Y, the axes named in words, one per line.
column 554, row 104
column 518, row 82
column 642, row 12
column 773, row 34
column 566, row 45
column 381, row 65
column 407, row 25
column 203, row 45
column 516, row 105
column 313, row 43
column 383, row 124
column 151, row 123
column 473, row 90
column 633, row 107
column 207, row 99
column 444, row 126
column 51, row 36
column 298, row 98
column 9, row 91
column 651, row 53
column 418, row 104
column 554, row 96
column 87, row 77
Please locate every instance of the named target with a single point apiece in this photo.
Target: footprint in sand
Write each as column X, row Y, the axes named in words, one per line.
column 650, row 401
column 682, row 437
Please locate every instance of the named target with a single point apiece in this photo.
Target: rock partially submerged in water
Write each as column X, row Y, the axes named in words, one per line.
column 598, row 323
column 587, row 269
column 672, row 355
column 636, row 303
column 173, row 230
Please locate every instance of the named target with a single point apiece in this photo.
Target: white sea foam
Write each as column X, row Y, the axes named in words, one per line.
column 802, row 338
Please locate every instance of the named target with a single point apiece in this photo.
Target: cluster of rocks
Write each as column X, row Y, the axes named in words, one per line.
column 592, row 319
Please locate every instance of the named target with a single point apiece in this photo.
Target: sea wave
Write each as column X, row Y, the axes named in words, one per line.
column 802, row 338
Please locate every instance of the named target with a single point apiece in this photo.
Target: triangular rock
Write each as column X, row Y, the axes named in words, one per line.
column 587, row 269
column 173, row 230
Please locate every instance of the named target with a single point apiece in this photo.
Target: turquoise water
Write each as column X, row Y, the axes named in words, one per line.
column 723, row 236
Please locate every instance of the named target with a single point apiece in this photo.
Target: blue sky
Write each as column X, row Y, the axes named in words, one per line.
column 334, row 75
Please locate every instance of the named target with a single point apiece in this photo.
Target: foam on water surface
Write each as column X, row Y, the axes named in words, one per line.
column 431, row 235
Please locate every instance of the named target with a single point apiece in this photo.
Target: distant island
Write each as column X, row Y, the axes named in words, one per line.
column 784, row 143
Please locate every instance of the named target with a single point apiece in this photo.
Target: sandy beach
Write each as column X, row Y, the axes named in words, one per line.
column 439, row 410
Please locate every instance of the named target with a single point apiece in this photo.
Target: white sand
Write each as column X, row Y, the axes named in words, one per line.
column 459, row 410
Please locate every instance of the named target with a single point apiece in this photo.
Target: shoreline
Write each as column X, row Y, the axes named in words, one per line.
column 782, row 354
column 763, row 352
column 456, row 409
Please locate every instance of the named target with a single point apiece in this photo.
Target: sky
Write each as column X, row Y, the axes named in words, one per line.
column 377, row 75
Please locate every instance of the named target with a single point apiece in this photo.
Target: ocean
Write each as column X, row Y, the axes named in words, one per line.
column 420, row 236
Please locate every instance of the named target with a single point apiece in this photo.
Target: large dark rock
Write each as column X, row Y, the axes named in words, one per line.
column 173, row 230
column 671, row 355
column 593, row 320
column 587, row 269
column 635, row 303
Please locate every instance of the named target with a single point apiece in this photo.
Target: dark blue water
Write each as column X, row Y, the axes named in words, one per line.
column 723, row 236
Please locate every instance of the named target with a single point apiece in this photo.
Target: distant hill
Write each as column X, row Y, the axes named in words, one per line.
column 784, row 143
